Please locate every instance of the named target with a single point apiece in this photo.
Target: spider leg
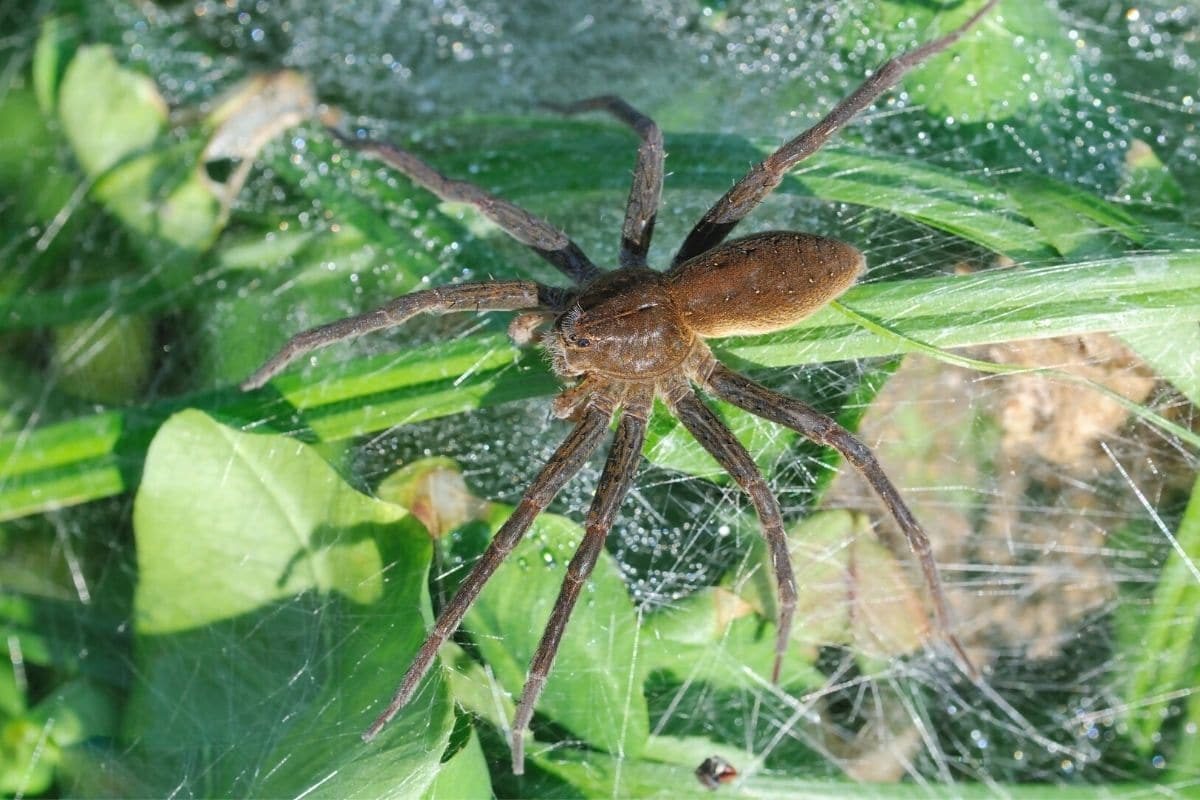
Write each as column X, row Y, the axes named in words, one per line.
column 484, row 296
column 747, row 193
column 720, row 442
column 618, row 475
column 808, row 422
column 566, row 461
column 646, row 191
column 534, row 232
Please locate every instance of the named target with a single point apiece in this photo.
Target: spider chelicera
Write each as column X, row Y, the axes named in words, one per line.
column 633, row 334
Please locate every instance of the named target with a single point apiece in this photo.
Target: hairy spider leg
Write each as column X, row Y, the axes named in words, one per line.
column 531, row 231
column 719, row 441
column 615, row 481
column 481, row 296
column 759, row 182
column 567, row 460
column 812, row 424
column 646, row 191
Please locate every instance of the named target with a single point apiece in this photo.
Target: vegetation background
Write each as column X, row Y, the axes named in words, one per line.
column 205, row 592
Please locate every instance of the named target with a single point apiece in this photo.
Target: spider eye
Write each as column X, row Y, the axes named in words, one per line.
column 582, row 342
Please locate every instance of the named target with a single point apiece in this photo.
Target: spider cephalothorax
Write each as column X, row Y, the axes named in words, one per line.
column 632, row 334
column 623, row 326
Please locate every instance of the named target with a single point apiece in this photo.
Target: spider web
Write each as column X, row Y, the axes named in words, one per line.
column 1052, row 511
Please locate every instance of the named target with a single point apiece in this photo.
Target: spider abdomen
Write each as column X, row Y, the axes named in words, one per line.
column 762, row 283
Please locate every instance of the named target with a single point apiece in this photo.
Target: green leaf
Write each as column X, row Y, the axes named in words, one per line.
column 302, row 512
column 1076, row 223
column 53, row 52
column 1148, row 184
column 988, row 74
column 465, row 775
column 1159, row 639
column 27, row 762
column 668, row 443
column 960, row 205
column 716, row 637
column 77, row 711
column 113, row 118
column 229, row 615
column 107, row 360
column 1173, row 351
column 593, row 690
column 160, row 196
column 108, row 112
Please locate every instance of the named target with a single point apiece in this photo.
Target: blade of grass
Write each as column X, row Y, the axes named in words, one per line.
column 1136, row 409
column 1159, row 643
column 1173, row 352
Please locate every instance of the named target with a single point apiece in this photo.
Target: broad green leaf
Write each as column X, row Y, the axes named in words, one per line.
column 593, row 690
column 302, row 512
column 113, row 118
column 988, row 74
column 107, row 112
column 229, row 615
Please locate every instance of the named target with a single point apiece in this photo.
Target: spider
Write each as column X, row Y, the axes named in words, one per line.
column 632, row 334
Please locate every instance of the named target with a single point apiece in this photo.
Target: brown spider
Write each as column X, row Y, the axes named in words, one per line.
column 633, row 334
